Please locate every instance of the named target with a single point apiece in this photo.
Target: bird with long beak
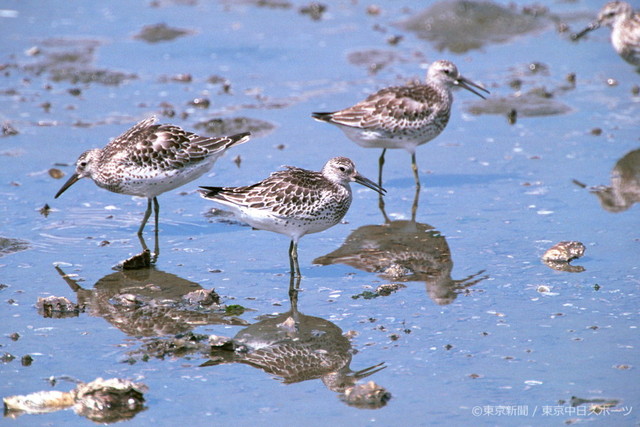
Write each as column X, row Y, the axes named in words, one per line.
column 150, row 159
column 403, row 116
column 294, row 201
column 625, row 29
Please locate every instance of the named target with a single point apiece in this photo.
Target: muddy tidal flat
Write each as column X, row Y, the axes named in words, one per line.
column 503, row 291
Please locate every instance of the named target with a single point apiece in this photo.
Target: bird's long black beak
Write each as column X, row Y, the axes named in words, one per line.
column 590, row 27
column 469, row 85
column 368, row 183
column 72, row 180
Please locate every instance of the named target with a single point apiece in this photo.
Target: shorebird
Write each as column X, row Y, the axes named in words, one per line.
column 403, row 116
column 294, row 201
column 625, row 29
column 150, row 159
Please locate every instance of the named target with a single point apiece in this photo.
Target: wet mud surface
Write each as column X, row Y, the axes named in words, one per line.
column 462, row 25
column 505, row 291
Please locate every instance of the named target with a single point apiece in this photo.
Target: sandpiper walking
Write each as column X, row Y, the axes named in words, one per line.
column 150, row 159
column 625, row 29
column 294, row 201
column 403, row 116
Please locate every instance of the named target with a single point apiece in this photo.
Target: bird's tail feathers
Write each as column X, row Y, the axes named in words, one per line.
column 322, row 117
column 210, row 192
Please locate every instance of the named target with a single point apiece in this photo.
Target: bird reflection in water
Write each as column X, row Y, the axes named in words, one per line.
column 624, row 190
column 296, row 347
column 150, row 303
column 404, row 251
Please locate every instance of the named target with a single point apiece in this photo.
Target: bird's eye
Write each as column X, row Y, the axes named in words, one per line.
column 83, row 164
column 342, row 168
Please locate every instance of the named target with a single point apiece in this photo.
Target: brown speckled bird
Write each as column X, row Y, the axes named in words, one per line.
column 294, row 201
column 150, row 159
column 403, row 116
column 625, row 29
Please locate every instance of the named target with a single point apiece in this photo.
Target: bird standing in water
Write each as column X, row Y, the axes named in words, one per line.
column 403, row 116
column 625, row 29
column 294, row 201
column 150, row 159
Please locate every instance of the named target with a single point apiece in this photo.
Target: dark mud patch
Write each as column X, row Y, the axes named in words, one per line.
column 314, row 10
column 161, row 33
column 375, row 60
column 100, row 76
column 9, row 246
column 598, row 405
column 461, row 26
column 8, row 130
column 71, row 60
column 230, row 126
column 268, row 4
column 59, row 51
column 168, row 3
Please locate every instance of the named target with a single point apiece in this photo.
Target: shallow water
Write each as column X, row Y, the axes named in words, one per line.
column 482, row 326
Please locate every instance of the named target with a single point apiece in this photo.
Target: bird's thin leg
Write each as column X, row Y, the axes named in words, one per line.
column 414, row 167
column 380, row 198
column 147, row 214
column 156, row 207
column 380, row 165
column 293, row 259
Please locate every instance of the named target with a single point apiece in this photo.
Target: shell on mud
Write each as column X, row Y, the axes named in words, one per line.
column 102, row 401
column 368, row 395
column 564, row 251
column 559, row 255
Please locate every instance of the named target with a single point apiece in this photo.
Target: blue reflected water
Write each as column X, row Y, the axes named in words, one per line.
column 495, row 195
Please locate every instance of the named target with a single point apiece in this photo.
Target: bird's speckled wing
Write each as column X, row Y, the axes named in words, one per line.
column 404, row 106
column 166, row 146
column 281, row 193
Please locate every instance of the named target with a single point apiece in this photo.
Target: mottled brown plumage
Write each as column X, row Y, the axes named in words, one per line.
column 150, row 159
column 294, row 201
column 403, row 116
column 625, row 29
